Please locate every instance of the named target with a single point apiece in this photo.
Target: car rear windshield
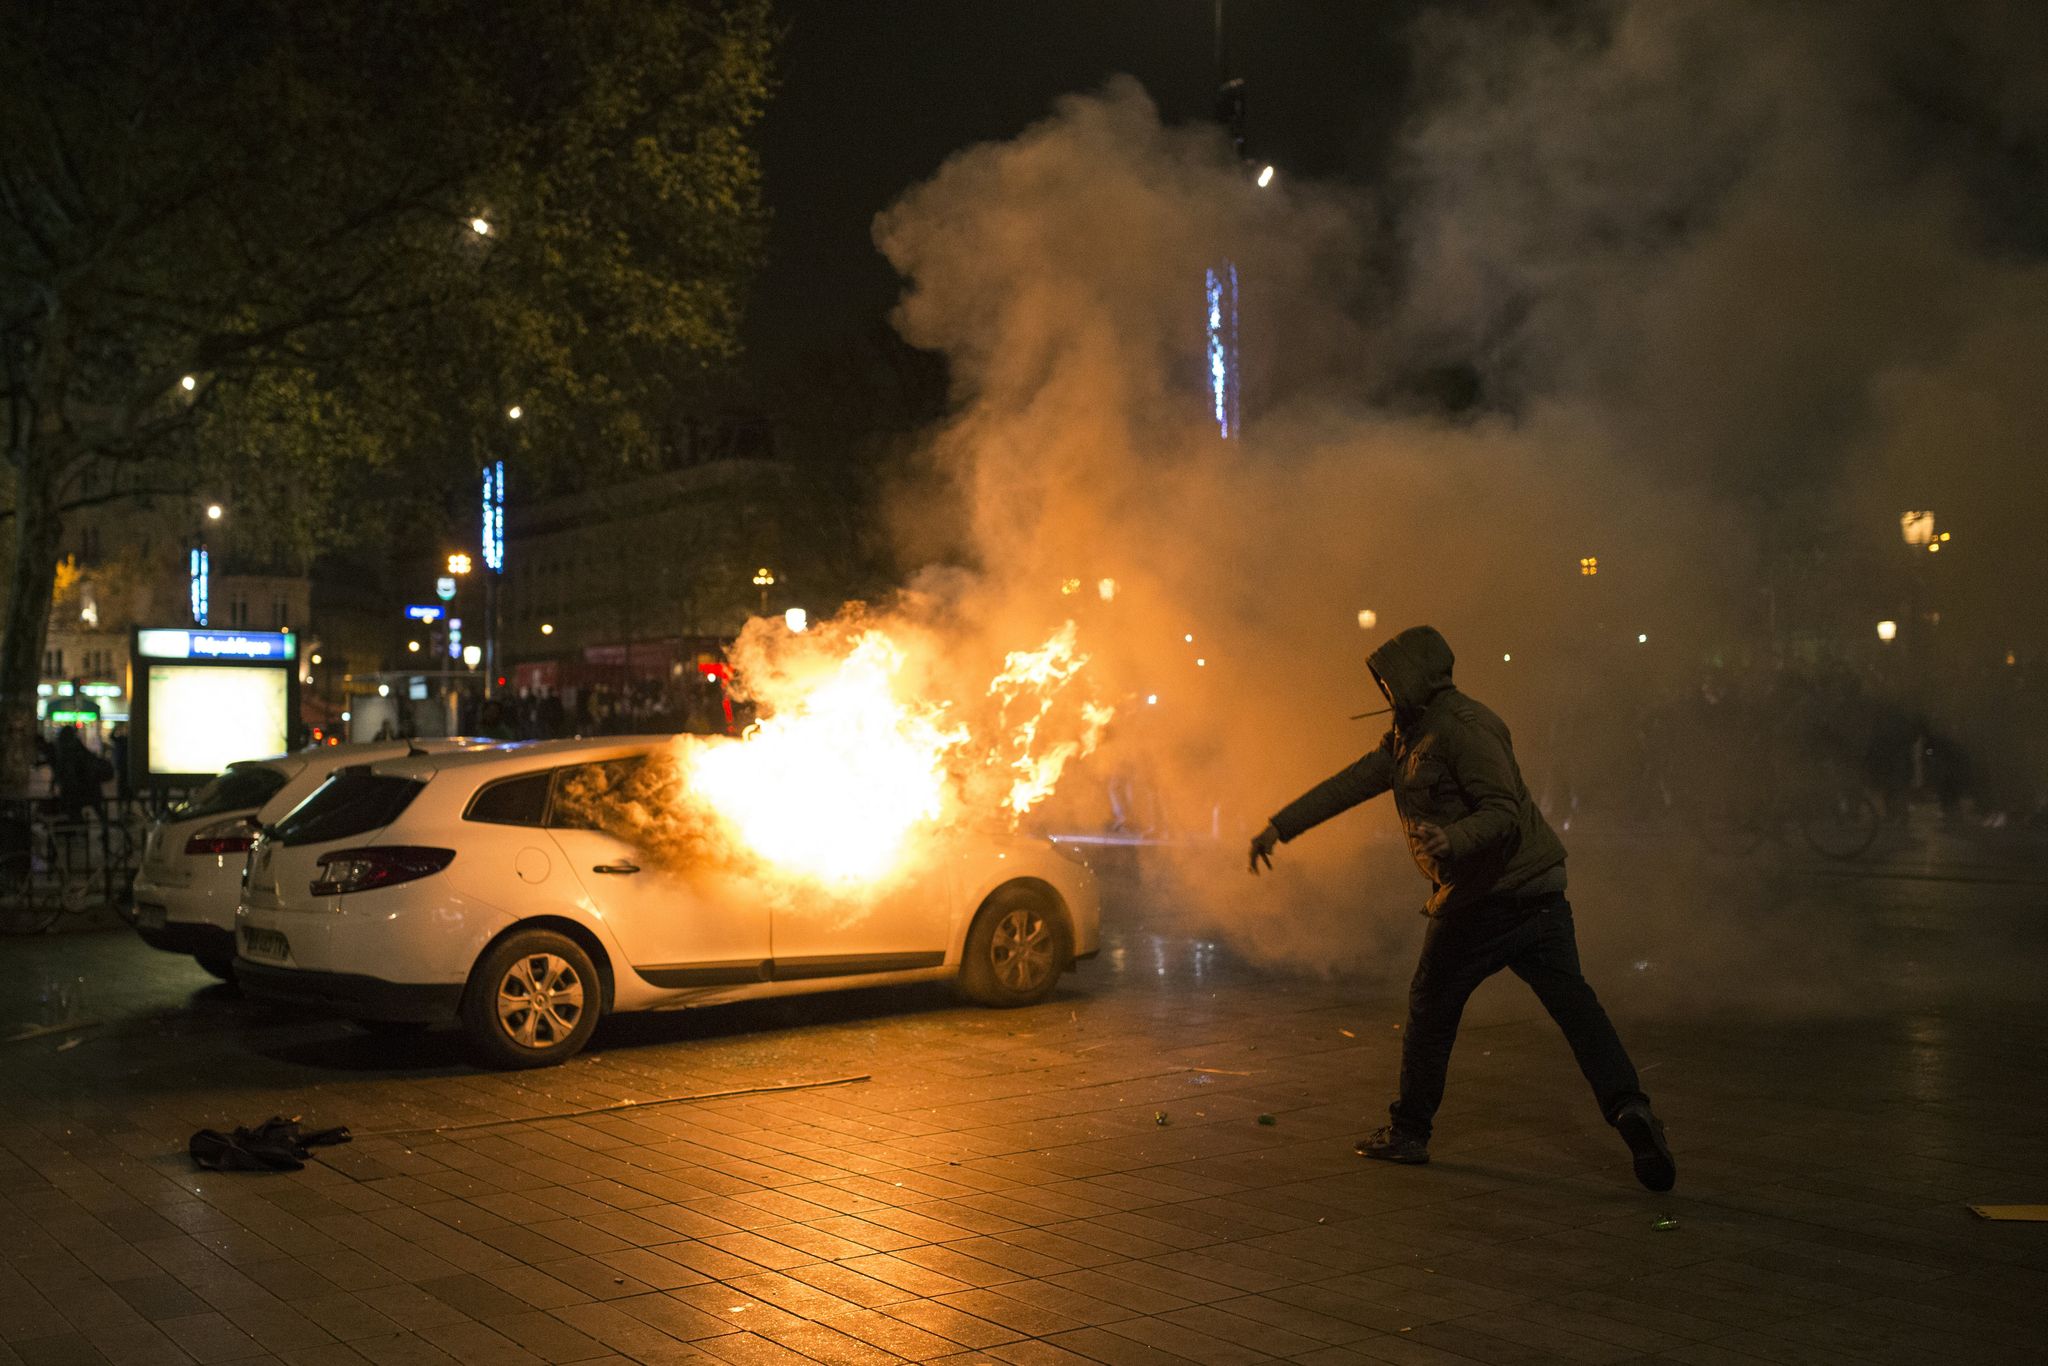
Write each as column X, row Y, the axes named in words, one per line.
column 244, row 787
column 352, row 802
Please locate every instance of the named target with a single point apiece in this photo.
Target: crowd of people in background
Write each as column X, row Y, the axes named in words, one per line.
column 693, row 703
column 1976, row 749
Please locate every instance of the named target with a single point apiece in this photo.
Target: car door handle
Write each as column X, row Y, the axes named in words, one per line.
column 616, row 868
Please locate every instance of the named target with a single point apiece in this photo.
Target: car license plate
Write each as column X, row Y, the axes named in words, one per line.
column 149, row 917
column 264, row 944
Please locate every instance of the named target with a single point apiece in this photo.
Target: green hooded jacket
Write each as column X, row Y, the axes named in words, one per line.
column 1449, row 763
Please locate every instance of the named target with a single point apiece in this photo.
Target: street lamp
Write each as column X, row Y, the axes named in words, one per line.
column 189, row 383
column 1367, row 619
column 458, row 563
column 480, row 226
column 515, row 412
column 412, row 647
column 472, row 655
column 1266, row 177
column 547, row 628
column 213, row 512
column 797, row 620
column 764, row 579
column 1887, row 631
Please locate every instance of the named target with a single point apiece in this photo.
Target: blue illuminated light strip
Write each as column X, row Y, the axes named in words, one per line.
column 202, row 575
column 494, row 516
column 1222, row 327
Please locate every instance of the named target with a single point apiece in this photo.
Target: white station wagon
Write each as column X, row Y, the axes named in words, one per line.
column 463, row 887
column 190, row 880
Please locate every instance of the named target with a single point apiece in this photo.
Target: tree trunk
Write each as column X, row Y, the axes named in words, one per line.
column 38, row 536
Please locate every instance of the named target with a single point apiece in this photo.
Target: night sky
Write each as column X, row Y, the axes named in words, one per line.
column 875, row 94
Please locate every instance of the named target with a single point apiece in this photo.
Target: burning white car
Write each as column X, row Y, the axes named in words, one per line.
column 504, row 889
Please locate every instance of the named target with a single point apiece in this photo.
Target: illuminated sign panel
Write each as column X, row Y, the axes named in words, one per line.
column 204, row 699
column 202, row 718
column 428, row 613
column 225, row 645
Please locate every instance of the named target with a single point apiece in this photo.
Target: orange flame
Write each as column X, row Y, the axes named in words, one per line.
column 835, row 783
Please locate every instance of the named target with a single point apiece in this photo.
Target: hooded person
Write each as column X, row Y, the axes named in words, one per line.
column 1497, row 882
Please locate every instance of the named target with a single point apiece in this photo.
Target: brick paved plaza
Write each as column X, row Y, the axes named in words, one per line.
column 999, row 1187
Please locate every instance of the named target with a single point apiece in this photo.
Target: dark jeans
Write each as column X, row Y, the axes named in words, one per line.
column 1465, row 947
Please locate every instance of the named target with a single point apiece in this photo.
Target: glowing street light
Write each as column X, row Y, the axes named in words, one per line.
column 1265, row 177
column 383, row 690
column 214, row 512
column 1367, row 619
column 1151, row 699
column 1106, row 589
column 412, row 647
column 515, row 412
column 314, row 659
column 1887, row 631
column 189, row 383
column 480, row 226
column 547, row 628
column 1642, row 639
column 472, row 655
column 458, row 563
column 797, row 620
column 1589, row 565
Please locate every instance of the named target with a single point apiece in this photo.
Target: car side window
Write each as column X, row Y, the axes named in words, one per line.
column 511, row 801
column 587, row 796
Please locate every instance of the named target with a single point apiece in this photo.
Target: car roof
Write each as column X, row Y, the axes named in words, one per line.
column 381, row 751
column 522, row 756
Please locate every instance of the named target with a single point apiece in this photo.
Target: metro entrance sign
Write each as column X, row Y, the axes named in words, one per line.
column 203, row 699
column 444, row 588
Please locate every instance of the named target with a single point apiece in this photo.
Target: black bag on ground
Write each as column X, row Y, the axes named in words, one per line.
column 276, row 1145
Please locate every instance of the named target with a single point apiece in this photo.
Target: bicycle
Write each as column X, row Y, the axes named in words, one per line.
column 48, row 869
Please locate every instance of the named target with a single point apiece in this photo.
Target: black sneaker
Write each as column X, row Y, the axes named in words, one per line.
column 1644, row 1134
column 1385, row 1145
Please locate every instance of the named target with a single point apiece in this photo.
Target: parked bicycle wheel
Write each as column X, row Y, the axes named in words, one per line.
column 25, row 905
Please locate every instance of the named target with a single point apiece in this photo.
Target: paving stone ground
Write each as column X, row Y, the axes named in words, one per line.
column 998, row 1187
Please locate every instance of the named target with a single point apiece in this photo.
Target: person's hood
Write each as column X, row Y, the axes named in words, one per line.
column 1415, row 666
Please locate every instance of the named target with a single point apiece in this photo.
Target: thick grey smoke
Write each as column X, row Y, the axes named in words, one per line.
column 1719, row 279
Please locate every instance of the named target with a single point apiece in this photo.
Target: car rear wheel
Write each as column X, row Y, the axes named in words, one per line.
column 1016, row 950
column 532, row 1001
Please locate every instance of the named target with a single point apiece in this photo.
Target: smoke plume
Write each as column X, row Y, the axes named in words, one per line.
column 1698, row 291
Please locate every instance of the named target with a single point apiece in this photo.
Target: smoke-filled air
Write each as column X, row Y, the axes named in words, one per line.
column 1621, row 377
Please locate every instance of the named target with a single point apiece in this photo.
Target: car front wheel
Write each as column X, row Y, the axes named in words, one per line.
column 1016, row 950
column 532, row 1001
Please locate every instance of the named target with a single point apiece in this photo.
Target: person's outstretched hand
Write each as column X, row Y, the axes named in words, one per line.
column 1433, row 841
column 1263, row 844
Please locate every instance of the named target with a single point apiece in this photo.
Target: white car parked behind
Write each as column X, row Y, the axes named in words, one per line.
column 190, row 878
column 462, row 887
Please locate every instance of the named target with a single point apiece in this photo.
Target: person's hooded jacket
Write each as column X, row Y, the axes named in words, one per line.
column 1449, row 763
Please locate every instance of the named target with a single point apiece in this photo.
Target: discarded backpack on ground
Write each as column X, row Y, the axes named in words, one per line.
column 276, row 1145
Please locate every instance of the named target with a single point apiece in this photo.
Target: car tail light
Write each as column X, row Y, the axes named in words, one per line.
column 233, row 836
column 361, row 870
